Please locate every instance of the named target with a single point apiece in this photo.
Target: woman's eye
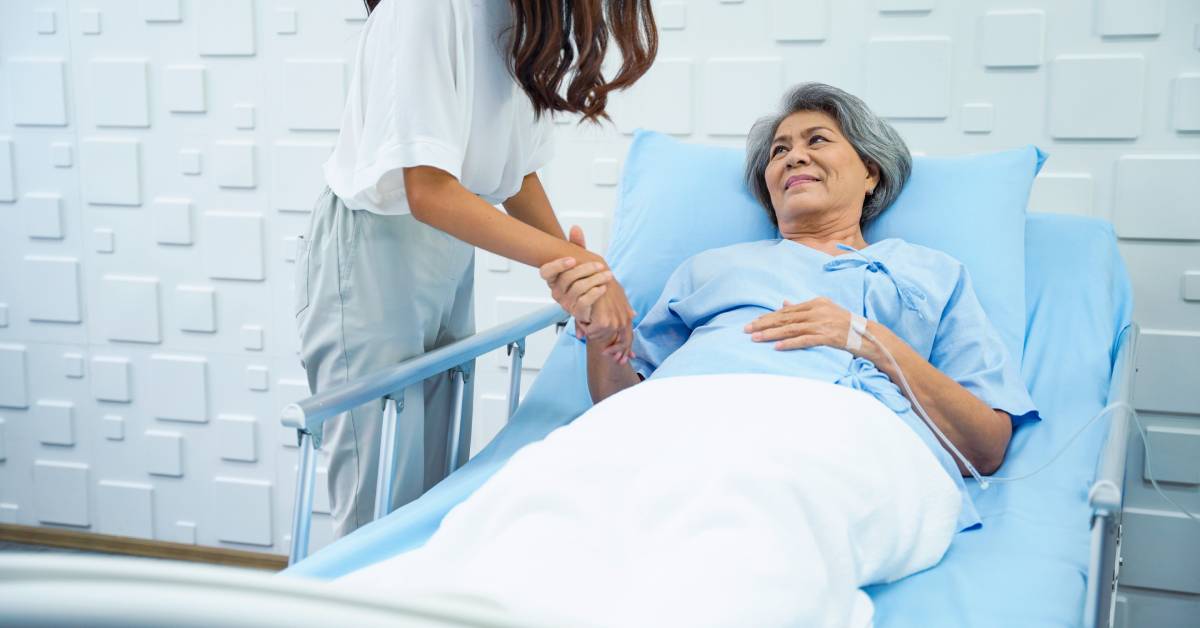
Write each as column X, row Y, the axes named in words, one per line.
column 778, row 150
column 813, row 139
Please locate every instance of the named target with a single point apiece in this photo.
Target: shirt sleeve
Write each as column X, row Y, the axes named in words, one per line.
column 662, row 331
column 543, row 144
column 968, row 349
column 414, row 92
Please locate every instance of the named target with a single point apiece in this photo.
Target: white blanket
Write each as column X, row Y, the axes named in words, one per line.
column 725, row 500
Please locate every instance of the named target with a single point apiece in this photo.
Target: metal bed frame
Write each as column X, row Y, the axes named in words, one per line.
column 1106, row 496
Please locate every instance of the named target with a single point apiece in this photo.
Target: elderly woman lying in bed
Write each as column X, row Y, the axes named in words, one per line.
column 768, row 467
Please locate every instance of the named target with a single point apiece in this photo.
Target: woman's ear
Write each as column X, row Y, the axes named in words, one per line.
column 872, row 177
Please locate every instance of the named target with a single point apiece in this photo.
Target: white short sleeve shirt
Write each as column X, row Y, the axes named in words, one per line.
column 431, row 87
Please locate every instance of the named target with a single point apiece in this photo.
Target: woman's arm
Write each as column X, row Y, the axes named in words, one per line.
column 439, row 200
column 978, row 431
column 531, row 206
column 607, row 377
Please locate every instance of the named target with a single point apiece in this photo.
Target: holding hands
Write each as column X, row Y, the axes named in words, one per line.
column 587, row 291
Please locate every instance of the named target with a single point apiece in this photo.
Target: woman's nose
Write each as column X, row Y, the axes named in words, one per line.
column 797, row 157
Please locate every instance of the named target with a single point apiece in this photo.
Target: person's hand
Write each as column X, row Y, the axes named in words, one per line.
column 612, row 324
column 819, row 322
column 574, row 285
column 586, row 290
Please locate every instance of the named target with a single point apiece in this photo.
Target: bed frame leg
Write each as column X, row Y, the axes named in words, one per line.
column 302, row 510
column 464, row 393
column 392, row 407
column 517, row 351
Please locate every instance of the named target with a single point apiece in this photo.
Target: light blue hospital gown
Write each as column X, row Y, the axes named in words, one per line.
column 922, row 295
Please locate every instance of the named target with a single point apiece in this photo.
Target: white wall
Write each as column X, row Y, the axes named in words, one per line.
column 157, row 158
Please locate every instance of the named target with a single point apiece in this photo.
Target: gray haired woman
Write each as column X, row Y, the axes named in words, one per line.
column 855, row 313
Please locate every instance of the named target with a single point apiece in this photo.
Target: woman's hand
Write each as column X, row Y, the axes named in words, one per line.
column 586, row 290
column 819, row 322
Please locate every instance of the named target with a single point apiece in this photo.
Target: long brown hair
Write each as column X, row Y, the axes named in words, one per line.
column 553, row 38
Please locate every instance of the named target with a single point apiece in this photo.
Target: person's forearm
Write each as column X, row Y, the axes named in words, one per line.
column 605, row 376
column 441, row 202
column 531, row 206
column 978, row 431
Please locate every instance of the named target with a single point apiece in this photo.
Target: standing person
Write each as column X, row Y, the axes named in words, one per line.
column 448, row 114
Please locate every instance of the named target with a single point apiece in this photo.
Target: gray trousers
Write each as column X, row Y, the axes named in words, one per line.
column 373, row 291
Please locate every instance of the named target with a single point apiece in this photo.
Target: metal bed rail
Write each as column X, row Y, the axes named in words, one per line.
column 457, row 359
column 1107, row 494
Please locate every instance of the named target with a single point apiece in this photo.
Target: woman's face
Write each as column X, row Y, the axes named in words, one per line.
column 814, row 173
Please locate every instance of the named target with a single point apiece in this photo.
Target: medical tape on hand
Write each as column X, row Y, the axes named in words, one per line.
column 854, row 337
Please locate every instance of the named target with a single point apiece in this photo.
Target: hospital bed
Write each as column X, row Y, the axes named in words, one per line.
column 1049, row 550
column 1047, row 554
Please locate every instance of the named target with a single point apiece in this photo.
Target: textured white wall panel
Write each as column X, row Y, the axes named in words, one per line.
column 909, row 77
column 110, row 379
column 229, row 232
column 43, row 215
column 90, row 22
column 161, row 10
column 14, row 383
column 163, row 453
column 61, row 493
column 1063, row 193
column 800, row 20
column 55, row 422
column 1013, row 38
column 1097, row 96
column 61, row 155
column 8, row 186
column 296, row 175
column 662, row 100
column 51, row 291
column 756, row 81
column 3, row 442
column 119, row 96
column 1191, row 285
column 1165, row 359
column 125, row 509
column 37, row 93
column 112, row 427
column 179, row 388
column 112, row 171
column 1122, row 17
column 245, row 508
column 184, row 89
column 238, row 437
column 1149, row 200
column 1186, row 103
column 172, row 220
column 226, row 28
column 73, row 365
column 196, row 309
column 905, row 6
column 315, row 92
column 128, row 309
column 234, row 164
column 978, row 117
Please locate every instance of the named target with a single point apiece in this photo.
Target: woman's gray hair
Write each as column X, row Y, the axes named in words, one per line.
column 875, row 141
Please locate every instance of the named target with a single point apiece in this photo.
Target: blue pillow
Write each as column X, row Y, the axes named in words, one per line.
column 678, row 199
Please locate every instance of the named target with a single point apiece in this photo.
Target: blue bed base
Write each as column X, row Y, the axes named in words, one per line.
column 1049, row 549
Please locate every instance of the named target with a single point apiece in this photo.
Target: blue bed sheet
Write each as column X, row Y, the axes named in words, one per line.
column 1025, row 567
